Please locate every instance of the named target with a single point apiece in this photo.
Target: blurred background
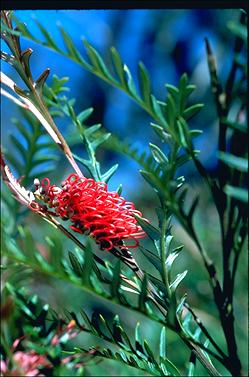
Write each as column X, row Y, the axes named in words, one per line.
column 169, row 42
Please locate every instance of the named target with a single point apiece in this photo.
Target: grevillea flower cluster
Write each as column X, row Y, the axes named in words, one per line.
column 25, row 364
column 29, row 363
column 93, row 210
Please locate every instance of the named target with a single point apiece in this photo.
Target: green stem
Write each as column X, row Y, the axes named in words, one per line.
column 163, row 250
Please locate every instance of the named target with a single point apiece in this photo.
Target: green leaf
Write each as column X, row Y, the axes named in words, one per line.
column 100, row 140
column 152, row 232
column 237, row 193
column 178, row 280
column 130, row 83
column 181, row 304
column 144, row 82
column 90, row 130
column 19, row 146
column 88, row 265
column 173, row 90
column 97, row 61
column 192, row 110
column 49, row 39
column 88, row 322
column 83, row 115
column 153, row 259
column 157, row 110
column 116, row 280
column 172, row 256
column 183, row 133
column 158, row 154
column 149, row 177
column 143, row 294
column 149, row 352
column 119, row 66
column 189, row 89
column 195, row 133
column 242, row 127
column 239, row 30
column 138, row 340
column 169, row 239
column 107, row 175
column 235, row 162
column 75, row 264
column 162, row 349
column 72, row 51
column 171, row 111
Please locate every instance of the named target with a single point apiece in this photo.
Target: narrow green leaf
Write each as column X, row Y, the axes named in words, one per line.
column 152, row 232
column 157, row 110
column 172, row 256
column 152, row 258
column 181, row 304
column 15, row 162
column 100, row 140
column 235, row 162
column 23, row 130
column 90, row 130
column 143, row 294
column 192, row 110
column 242, row 127
column 49, row 39
column 40, row 159
column 169, row 239
column 109, row 173
column 83, row 115
column 173, row 90
column 171, row 111
column 72, row 51
column 116, row 280
column 138, row 339
column 149, row 177
column 178, row 280
column 161, row 287
column 239, row 30
column 158, row 154
column 145, row 86
column 75, row 264
column 189, row 89
column 159, row 130
column 149, row 351
column 119, row 189
column 130, row 83
column 162, row 349
column 97, row 61
column 119, row 66
column 183, row 133
column 88, row 265
column 237, row 193
column 19, row 146
column 195, row 133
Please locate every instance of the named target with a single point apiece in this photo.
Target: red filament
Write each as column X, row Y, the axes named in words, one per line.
column 93, row 210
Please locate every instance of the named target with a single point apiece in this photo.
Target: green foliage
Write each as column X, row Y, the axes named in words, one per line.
column 28, row 160
column 139, row 355
column 155, row 294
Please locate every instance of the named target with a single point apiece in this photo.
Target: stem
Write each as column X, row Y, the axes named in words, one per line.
column 163, row 250
column 238, row 45
column 204, row 330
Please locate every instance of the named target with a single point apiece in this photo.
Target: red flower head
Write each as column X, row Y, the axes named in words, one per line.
column 94, row 210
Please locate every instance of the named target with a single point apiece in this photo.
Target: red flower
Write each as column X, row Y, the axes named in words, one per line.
column 94, row 210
